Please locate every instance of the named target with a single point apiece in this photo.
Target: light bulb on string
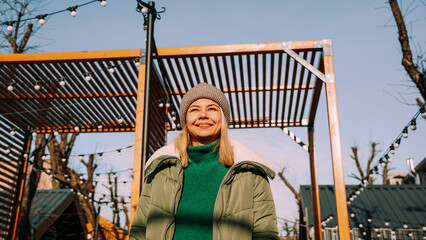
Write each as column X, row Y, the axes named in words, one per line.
column 388, row 158
column 43, row 158
column 55, row 132
column 369, row 220
column 9, row 27
column 64, row 160
column 62, row 82
column 8, row 150
column 101, row 156
column 81, row 157
column 144, row 10
column 167, row 104
column 87, row 77
column 73, row 13
column 423, row 112
column 119, row 152
column 174, row 118
column 137, row 62
column 120, row 120
column 161, row 105
column 12, row 132
column 111, row 70
column 405, row 226
column 76, row 129
column 396, row 143
column 37, row 86
column 103, row 3
column 10, row 87
column 34, row 134
column 386, row 223
column 352, row 215
column 413, row 125
column 405, row 133
column 25, row 155
column 392, row 149
column 41, row 19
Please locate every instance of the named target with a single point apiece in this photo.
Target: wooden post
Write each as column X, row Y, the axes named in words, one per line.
column 335, row 143
column 138, row 165
column 21, row 184
column 314, row 184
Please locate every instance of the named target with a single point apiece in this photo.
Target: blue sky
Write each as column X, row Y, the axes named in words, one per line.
column 367, row 63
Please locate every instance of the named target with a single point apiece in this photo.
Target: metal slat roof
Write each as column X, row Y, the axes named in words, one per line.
column 397, row 204
column 265, row 86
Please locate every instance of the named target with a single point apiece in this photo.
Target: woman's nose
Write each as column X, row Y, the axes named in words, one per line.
column 203, row 113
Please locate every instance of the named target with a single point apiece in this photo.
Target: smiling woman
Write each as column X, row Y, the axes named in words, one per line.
column 204, row 185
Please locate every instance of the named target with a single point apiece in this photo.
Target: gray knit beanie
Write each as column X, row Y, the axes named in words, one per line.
column 203, row 90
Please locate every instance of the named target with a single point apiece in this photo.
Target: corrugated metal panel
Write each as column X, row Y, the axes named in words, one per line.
column 395, row 204
column 46, row 202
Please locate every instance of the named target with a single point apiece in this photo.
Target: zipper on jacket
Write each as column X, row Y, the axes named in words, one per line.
column 175, row 202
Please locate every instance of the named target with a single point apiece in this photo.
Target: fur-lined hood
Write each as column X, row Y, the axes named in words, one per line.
column 242, row 154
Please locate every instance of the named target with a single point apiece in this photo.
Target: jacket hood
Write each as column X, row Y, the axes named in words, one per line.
column 241, row 154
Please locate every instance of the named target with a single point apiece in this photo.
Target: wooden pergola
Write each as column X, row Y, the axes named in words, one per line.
column 268, row 85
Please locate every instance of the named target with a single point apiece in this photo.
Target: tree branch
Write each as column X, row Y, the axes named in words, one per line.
column 407, row 56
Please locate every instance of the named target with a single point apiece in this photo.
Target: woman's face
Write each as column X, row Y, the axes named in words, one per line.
column 203, row 120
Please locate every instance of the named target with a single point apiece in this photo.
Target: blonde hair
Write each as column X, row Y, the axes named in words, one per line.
column 226, row 154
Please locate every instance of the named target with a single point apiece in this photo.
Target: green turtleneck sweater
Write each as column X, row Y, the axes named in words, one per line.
column 201, row 181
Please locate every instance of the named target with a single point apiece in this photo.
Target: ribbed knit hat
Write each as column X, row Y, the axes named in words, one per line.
column 203, row 90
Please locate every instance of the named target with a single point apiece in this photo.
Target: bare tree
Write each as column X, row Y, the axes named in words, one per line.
column 24, row 227
column 364, row 174
column 286, row 228
column 125, row 211
column 13, row 12
column 415, row 67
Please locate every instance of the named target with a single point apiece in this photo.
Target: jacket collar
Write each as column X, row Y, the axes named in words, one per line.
column 243, row 157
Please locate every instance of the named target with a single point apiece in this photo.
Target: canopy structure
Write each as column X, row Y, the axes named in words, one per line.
column 267, row 84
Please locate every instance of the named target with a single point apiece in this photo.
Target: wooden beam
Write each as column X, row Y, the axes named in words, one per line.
column 69, row 56
column 138, row 165
column 336, row 151
column 314, row 183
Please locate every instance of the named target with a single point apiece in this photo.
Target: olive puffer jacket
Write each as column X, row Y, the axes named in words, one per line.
column 244, row 207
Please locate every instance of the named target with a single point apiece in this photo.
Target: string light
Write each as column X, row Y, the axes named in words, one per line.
column 76, row 129
column 396, row 143
column 161, row 105
column 119, row 152
column 413, row 125
column 423, row 112
column 41, row 19
column 111, row 70
column 34, row 134
column 37, row 86
column 87, row 76
column 62, row 82
column 120, row 119
column 405, row 133
column 9, row 27
column 392, row 149
column 73, row 11
column 12, row 132
column 103, row 3
column 8, row 150
column 10, row 87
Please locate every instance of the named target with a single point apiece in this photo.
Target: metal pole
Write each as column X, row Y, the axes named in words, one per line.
column 148, row 77
column 97, row 220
